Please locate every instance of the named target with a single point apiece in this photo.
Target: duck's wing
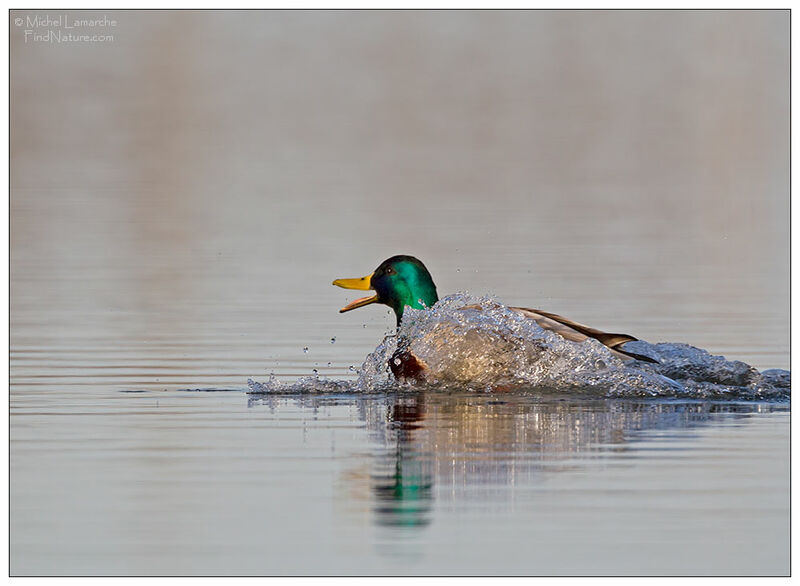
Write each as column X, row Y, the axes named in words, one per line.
column 575, row 332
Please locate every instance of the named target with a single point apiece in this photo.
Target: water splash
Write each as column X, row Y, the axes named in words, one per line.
column 479, row 344
column 303, row 385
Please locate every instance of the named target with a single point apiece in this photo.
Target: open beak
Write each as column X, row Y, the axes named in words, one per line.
column 363, row 284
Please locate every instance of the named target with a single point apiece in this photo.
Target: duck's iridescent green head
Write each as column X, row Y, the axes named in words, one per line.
column 398, row 282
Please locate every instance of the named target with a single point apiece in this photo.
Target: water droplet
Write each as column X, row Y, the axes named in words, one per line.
column 458, row 270
column 315, row 371
column 305, row 350
column 333, row 340
column 397, row 361
column 599, row 365
column 329, row 364
column 351, row 368
column 363, row 325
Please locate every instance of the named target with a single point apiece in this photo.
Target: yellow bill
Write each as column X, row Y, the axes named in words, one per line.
column 363, row 284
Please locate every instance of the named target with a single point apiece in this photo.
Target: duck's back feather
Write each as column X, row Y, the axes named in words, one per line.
column 576, row 332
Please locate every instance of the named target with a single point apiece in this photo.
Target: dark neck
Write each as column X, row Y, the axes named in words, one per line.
column 421, row 298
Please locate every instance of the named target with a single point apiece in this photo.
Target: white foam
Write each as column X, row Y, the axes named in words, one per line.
column 478, row 343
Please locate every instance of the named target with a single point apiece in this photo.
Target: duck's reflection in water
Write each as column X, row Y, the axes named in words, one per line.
column 448, row 446
column 403, row 477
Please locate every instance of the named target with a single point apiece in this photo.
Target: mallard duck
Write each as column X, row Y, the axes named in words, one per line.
column 403, row 281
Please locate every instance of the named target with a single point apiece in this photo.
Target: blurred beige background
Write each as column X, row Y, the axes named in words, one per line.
column 182, row 195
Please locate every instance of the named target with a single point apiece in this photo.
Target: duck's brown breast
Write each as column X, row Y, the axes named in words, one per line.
column 405, row 365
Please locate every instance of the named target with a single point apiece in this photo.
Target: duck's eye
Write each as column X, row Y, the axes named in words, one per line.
column 390, row 271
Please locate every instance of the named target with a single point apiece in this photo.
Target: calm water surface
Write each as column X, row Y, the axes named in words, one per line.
column 182, row 198
column 219, row 482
